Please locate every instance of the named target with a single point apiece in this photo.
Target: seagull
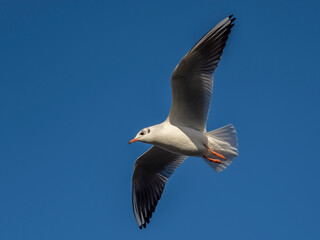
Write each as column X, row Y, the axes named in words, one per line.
column 184, row 132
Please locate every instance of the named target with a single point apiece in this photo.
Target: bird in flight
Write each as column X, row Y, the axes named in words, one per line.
column 184, row 132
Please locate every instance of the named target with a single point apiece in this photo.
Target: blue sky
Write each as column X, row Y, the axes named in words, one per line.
column 78, row 79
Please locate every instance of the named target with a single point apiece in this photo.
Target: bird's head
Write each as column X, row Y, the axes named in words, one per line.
column 143, row 135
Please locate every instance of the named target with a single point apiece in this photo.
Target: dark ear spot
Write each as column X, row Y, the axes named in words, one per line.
column 148, row 130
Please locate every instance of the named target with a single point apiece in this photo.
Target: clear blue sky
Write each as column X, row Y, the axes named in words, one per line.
column 79, row 79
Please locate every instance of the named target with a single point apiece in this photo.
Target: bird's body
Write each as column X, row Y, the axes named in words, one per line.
column 179, row 139
column 184, row 132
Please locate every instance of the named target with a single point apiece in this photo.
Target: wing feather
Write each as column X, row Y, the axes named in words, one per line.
column 151, row 172
column 192, row 79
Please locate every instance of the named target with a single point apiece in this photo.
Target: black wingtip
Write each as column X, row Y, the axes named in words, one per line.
column 140, row 227
column 231, row 18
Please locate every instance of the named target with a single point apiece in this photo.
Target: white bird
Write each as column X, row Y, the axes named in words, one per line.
column 184, row 132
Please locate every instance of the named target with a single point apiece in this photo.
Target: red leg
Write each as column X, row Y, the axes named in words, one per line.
column 213, row 160
column 215, row 153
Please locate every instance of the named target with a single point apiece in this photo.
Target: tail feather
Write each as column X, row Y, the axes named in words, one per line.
column 225, row 141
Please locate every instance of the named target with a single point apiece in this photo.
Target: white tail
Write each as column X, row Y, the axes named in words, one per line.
column 225, row 141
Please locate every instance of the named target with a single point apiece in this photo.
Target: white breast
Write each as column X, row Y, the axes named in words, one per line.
column 181, row 140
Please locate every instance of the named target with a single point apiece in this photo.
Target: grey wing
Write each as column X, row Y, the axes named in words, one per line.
column 150, row 175
column 192, row 79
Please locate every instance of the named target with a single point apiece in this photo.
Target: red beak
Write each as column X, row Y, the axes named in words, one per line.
column 132, row 140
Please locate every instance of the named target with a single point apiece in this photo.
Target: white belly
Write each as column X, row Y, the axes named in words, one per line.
column 181, row 140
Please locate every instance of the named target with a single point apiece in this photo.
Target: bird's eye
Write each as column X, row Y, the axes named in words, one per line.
column 141, row 133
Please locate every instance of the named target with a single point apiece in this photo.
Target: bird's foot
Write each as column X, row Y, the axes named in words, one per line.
column 213, row 160
column 215, row 153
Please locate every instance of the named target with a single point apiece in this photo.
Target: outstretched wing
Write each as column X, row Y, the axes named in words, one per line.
column 192, row 79
column 150, row 175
